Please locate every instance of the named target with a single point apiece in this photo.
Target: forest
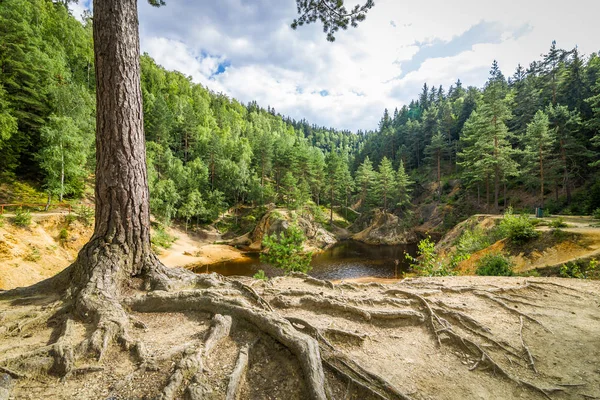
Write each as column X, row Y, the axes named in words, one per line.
column 91, row 306
column 534, row 133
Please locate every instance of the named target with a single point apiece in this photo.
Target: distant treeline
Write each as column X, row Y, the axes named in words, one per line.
column 207, row 152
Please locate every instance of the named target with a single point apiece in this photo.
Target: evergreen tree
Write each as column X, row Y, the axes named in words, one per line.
column 539, row 142
column 403, row 190
column 435, row 151
column 385, row 183
column 365, row 182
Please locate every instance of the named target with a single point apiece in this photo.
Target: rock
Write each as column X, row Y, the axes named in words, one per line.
column 6, row 384
column 382, row 228
column 277, row 221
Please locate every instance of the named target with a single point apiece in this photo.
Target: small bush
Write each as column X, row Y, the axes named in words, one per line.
column 22, row 218
column 63, row 235
column 472, row 241
column 161, row 238
column 261, row 275
column 85, row 215
column 286, row 252
column 494, row 265
column 581, row 270
column 596, row 213
column 70, row 218
column 428, row 262
column 517, row 228
column 558, row 223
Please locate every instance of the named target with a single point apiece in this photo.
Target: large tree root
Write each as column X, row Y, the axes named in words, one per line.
column 279, row 313
column 302, row 346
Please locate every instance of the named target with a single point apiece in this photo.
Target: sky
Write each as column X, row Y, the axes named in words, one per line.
column 247, row 50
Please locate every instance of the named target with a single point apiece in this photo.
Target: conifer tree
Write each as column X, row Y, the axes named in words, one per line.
column 385, row 183
column 539, row 142
column 365, row 182
column 403, row 190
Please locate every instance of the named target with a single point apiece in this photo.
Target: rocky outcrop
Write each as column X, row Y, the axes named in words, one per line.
column 377, row 227
column 278, row 221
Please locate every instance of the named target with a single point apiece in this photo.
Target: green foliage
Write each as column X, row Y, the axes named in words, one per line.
column 596, row 213
column 160, row 238
column 261, row 275
column 428, row 262
column 558, row 223
column 494, row 265
column 581, row 269
column 22, row 218
column 472, row 240
column 70, row 218
column 332, row 14
column 85, row 214
column 285, row 251
column 1, row 220
column 63, row 235
column 517, row 228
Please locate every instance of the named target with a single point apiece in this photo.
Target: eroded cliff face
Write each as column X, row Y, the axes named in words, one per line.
column 278, row 220
column 377, row 227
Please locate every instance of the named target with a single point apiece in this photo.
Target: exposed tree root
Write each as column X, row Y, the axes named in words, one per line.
column 192, row 363
column 279, row 312
column 237, row 376
column 302, row 346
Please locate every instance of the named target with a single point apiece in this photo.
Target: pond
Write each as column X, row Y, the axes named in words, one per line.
column 346, row 260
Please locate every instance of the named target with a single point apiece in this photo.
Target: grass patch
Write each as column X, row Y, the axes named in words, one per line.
column 160, row 238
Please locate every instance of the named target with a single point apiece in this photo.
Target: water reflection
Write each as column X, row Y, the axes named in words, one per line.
column 346, row 260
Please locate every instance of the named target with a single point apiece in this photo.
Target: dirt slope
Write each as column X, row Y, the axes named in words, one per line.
column 29, row 255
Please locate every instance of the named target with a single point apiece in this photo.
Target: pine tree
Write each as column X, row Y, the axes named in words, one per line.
column 403, row 184
column 435, row 151
column 8, row 123
column 539, row 142
column 385, row 183
column 365, row 182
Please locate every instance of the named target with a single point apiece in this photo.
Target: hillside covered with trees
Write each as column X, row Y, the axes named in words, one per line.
column 532, row 135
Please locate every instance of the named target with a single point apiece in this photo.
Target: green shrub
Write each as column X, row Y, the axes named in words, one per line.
column 428, row 262
column 558, row 223
column 285, row 251
column 22, row 218
column 63, row 235
column 85, row 215
column 261, row 275
column 1, row 220
column 517, row 228
column 161, row 238
column 472, row 241
column 596, row 213
column 70, row 218
column 581, row 270
column 494, row 265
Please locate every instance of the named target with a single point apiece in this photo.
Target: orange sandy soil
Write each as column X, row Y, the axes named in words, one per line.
column 29, row 255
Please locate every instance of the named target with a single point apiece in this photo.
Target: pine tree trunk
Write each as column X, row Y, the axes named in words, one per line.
column 120, row 246
column 541, row 178
column 62, row 173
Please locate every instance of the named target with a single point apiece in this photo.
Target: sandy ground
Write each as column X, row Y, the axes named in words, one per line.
column 29, row 255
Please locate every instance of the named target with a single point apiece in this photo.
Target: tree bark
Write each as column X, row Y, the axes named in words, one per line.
column 120, row 245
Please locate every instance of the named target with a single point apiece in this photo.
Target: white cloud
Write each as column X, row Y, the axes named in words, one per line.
column 366, row 69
